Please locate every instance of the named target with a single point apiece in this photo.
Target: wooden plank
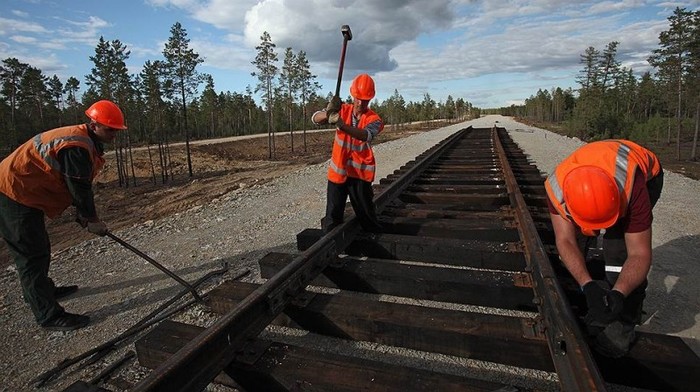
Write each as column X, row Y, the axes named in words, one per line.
column 447, row 198
column 504, row 256
column 488, row 189
column 284, row 367
column 487, row 337
column 161, row 342
column 468, row 253
column 473, row 229
column 492, row 181
column 480, row 288
column 656, row 362
column 502, row 216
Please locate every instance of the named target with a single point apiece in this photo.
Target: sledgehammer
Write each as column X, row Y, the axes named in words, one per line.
column 347, row 36
column 157, row 265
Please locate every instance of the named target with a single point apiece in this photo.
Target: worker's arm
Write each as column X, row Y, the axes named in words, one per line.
column 76, row 168
column 638, row 263
column 569, row 252
column 320, row 117
column 355, row 132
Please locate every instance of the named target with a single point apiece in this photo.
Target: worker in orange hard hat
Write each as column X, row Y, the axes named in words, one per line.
column 42, row 177
column 609, row 186
column 352, row 166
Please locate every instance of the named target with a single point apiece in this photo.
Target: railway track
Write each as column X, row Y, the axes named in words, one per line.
column 465, row 272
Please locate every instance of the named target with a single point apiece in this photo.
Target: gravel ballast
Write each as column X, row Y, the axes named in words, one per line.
column 118, row 288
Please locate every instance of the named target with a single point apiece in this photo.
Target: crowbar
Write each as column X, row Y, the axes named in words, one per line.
column 157, row 265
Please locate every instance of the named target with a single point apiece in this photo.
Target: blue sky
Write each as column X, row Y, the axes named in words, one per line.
column 491, row 53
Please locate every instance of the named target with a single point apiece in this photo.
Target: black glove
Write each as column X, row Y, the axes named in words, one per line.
column 95, row 227
column 81, row 221
column 596, row 292
column 98, row 228
column 333, row 105
column 616, row 302
column 604, row 304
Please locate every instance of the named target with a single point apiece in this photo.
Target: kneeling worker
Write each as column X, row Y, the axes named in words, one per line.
column 609, row 185
column 44, row 176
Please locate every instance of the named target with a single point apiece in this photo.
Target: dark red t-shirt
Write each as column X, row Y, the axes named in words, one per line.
column 638, row 217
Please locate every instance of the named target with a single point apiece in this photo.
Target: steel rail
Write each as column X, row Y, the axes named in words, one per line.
column 194, row 366
column 572, row 359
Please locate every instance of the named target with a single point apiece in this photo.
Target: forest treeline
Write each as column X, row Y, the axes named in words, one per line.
column 661, row 107
column 170, row 100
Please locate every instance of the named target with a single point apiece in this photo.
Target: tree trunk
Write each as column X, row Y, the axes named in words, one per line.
column 693, row 156
column 187, row 132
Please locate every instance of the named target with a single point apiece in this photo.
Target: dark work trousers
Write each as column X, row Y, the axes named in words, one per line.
column 361, row 199
column 615, row 253
column 24, row 231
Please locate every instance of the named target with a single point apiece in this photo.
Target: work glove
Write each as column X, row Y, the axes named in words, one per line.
column 333, row 118
column 334, row 105
column 95, row 227
column 604, row 305
column 99, row 228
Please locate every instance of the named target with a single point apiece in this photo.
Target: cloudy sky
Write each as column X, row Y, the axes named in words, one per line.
column 491, row 53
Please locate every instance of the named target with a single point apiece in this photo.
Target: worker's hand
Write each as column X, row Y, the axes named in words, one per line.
column 604, row 305
column 333, row 105
column 81, row 220
column 616, row 302
column 98, row 227
column 596, row 292
column 334, row 118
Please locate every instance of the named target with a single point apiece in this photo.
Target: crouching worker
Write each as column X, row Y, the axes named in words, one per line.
column 42, row 177
column 609, row 185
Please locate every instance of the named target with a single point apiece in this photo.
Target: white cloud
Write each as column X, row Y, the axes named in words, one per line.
column 23, row 39
column 8, row 26
column 20, row 14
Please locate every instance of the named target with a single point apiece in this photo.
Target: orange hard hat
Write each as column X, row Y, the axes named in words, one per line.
column 592, row 198
column 362, row 87
column 106, row 113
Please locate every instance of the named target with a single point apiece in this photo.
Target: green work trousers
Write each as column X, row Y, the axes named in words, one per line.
column 24, row 231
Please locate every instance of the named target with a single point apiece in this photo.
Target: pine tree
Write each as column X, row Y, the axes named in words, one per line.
column 182, row 70
column 308, row 87
column 267, row 71
column 674, row 57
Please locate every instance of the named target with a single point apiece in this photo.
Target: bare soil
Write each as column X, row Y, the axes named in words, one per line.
column 218, row 168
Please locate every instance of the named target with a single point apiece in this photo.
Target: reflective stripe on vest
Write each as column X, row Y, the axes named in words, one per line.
column 44, row 149
column 352, row 157
column 31, row 175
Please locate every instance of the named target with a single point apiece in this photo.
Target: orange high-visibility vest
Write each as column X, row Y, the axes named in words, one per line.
column 31, row 175
column 619, row 158
column 352, row 157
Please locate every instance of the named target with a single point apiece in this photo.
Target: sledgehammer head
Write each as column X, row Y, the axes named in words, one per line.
column 347, row 34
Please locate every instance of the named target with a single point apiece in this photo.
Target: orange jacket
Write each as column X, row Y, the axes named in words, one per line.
column 352, row 157
column 31, row 175
column 619, row 158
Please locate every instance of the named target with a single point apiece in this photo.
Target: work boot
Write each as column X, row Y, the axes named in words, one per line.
column 64, row 291
column 66, row 322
